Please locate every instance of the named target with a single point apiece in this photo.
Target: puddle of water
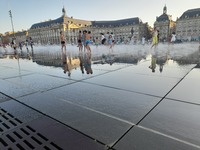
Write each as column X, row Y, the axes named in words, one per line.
column 177, row 55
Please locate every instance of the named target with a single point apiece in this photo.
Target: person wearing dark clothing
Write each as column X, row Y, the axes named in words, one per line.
column 31, row 43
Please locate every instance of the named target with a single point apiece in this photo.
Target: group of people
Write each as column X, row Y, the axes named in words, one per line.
column 26, row 43
column 108, row 39
column 155, row 37
column 83, row 41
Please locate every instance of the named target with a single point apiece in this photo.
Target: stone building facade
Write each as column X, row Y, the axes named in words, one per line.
column 165, row 25
column 124, row 30
column 48, row 32
column 188, row 25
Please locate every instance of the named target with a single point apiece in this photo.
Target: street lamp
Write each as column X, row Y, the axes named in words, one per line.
column 10, row 13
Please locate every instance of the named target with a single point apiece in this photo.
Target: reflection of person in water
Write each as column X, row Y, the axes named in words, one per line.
column 33, row 55
column 81, row 62
column 64, row 56
column 161, row 62
column 153, row 63
column 66, row 66
column 65, row 63
column 88, row 63
column 69, row 63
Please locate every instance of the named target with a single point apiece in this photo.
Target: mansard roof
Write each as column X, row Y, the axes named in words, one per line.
column 191, row 13
column 129, row 21
column 48, row 23
column 163, row 17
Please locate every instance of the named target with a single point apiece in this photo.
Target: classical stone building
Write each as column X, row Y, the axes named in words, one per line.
column 165, row 25
column 188, row 25
column 48, row 32
column 124, row 30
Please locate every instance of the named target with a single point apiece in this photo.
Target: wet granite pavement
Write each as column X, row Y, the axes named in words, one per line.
column 48, row 103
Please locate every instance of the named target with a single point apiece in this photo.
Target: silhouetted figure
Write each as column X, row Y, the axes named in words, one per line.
column 13, row 43
column 80, row 45
column 62, row 39
column 26, row 44
column 31, row 43
column 103, row 39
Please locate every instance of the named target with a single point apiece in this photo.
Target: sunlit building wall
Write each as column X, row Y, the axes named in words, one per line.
column 123, row 30
column 48, row 32
column 188, row 25
column 165, row 25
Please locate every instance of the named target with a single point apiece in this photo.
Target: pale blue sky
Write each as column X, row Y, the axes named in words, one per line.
column 27, row 12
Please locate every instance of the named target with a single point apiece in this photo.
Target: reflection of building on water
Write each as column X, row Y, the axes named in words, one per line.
column 161, row 61
column 153, row 63
column 65, row 62
column 81, row 63
column 47, row 59
column 188, row 59
column 87, row 63
column 158, row 61
column 110, row 59
column 70, row 64
column 55, row 61
column 113, row 58
column 84, row 61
